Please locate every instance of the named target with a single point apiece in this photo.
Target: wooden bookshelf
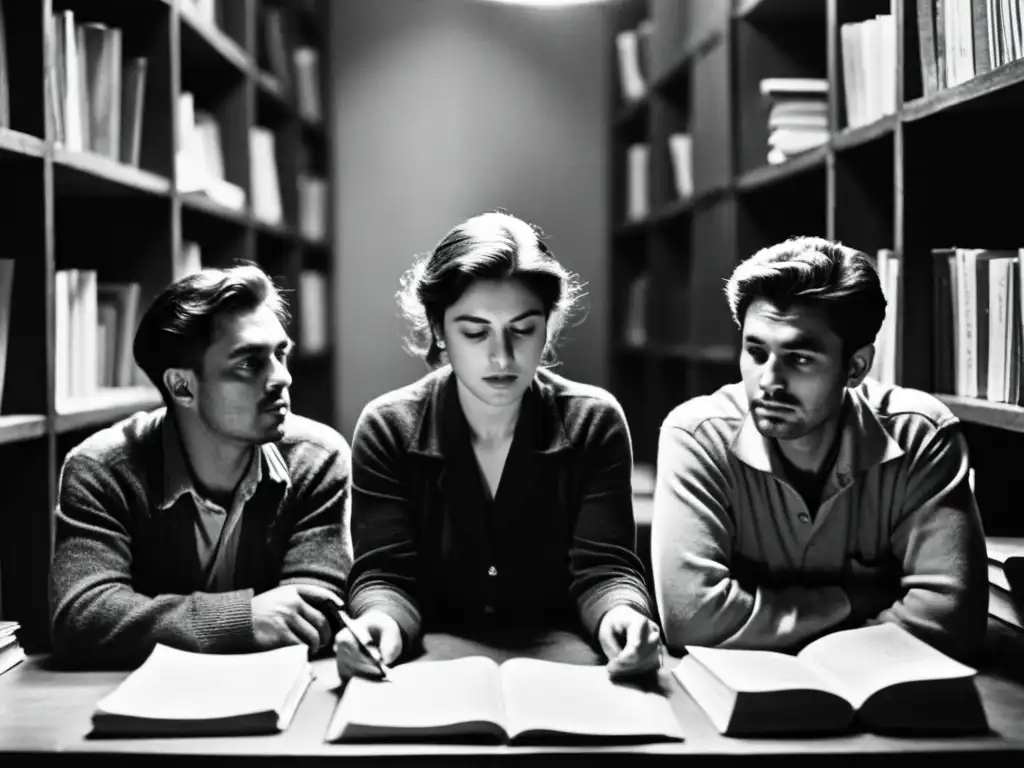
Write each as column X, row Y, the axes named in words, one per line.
column 895, row 182
column 78, row 209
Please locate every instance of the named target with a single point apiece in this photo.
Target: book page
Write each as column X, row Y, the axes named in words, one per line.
column 421, row 696
column 178, row 685
column 556, row 698
column 859, row 662
column 749, row 671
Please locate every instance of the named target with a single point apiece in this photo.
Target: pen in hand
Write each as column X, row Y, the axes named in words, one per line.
column 364, row 645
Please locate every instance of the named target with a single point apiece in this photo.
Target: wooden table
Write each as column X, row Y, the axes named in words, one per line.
column 45, row 713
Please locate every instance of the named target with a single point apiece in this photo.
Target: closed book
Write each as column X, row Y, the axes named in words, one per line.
column 181, row 693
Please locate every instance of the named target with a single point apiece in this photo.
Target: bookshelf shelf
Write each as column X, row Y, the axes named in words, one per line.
column 84, row 224
column 15, row 429
column 672, row 211
column 202, row 204
column 18, row 143
column 204, row 45
column 779, row 11
column 985, row 413
column 997, row 90
column 88, row 172
column 713, row 353
column 630, row 115
column 104, row 407
column 767, row 175
column 883, row 186
column 678, row 69
column 849, row 138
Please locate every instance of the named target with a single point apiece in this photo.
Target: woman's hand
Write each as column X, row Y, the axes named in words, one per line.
column 631, row 641
column 380, row 633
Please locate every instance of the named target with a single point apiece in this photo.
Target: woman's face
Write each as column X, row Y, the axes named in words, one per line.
column 495, row 336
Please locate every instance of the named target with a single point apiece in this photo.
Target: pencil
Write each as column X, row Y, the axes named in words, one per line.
column 372, row 653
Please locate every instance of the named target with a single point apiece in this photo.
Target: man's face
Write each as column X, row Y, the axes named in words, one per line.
column 495, row 336
column 793, row 368
column 243, row 386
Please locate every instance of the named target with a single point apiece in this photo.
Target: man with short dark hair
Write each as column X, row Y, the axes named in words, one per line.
column 219, row 522
column 809, row 498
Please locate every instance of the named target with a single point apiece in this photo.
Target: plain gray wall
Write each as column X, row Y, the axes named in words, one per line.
column 444, row 109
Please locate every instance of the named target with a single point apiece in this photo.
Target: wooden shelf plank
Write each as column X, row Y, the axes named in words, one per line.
column 105, row 407
column 767, row 175
column 632, row 228
column 672, row 211
column 92, row 171
column 779, row 10
column 280, row 231
column 850, row 138
column 989, row 414
column 18, row 143
column 16, row 428
column 213, row 38
column 702, row 353
column 630, row 114
column 202, row 204
column 970, row 93
column 678, row 68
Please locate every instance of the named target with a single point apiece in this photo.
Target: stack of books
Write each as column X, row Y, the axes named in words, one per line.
column 11, row 652
column 797, row 116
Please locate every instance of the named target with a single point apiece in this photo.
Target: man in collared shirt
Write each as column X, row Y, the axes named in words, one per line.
column 218, row 523
column 809, row 498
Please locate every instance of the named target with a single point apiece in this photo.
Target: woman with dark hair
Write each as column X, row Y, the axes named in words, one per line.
column 492, row 493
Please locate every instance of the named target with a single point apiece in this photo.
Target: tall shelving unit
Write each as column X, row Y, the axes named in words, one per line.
column 68, row 209
column 928, row 176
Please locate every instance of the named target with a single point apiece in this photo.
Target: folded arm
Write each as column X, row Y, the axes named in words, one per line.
column 940, row 544
column 700, row 596
column 98, row 616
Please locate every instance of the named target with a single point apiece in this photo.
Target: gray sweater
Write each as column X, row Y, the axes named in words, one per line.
column 126, row 572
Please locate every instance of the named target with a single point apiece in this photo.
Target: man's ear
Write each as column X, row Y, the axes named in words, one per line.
column 181, row 383
column 860, row 365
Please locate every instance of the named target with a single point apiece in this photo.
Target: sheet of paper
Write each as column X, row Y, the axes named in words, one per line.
column 861, row 661
column 755, row 671
column 576, row 699
column 425, row 694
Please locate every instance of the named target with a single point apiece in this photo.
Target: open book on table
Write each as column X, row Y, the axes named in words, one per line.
column 878, row 678
column 180, row 693
column 518, row 700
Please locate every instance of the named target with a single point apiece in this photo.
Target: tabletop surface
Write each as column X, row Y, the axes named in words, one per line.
column 47, row 710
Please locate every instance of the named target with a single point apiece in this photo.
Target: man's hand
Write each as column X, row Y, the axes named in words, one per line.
column 377, row 630
column 631, row 641
column 293, row 614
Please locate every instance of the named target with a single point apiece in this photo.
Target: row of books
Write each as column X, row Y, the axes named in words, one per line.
column 633, row 52
column 297, row 74
column 797, row 115
column 876, row 678
column 977, row 317
column 97, row 97
column 638, row 163
column 201, row 171
column 869, row 69
column 95, row 327
column 960, row 39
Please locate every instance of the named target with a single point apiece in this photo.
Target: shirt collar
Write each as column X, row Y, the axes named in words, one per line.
column 267, row 462
column 864, row 442
column 443, row 412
